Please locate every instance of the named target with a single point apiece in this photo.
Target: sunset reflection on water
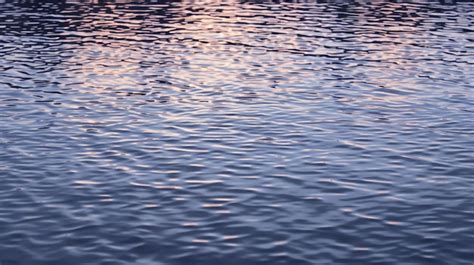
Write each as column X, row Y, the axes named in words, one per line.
column 236, row 132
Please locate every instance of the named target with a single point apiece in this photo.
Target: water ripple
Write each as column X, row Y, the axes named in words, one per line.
column 238, row 132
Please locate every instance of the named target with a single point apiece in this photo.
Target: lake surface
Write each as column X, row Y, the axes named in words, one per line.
column 236, row 133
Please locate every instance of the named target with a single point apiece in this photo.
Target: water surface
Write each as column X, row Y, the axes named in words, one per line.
column 236, row 133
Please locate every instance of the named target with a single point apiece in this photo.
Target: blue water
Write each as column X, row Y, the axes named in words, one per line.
column 236, row 133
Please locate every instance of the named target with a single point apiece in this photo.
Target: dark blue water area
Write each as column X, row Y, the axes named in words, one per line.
column 236, row 132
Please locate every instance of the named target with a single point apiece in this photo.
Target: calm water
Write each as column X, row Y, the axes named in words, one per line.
column 236, row 133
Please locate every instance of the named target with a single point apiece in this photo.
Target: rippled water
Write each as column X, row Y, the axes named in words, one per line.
column 236, row 133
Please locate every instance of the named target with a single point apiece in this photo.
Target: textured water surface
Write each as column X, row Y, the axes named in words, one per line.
column 236, row 133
